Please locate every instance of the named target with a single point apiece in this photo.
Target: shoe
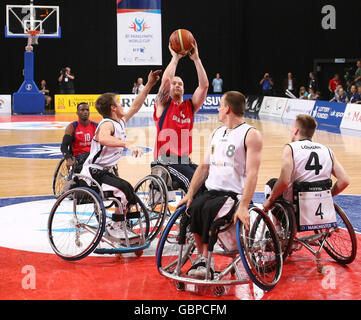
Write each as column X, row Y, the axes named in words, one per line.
column 198, row 262
column 199, row 268
column 201, row 271
column 115, row 229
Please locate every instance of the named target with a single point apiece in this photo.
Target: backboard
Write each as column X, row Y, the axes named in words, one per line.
column 22, row 18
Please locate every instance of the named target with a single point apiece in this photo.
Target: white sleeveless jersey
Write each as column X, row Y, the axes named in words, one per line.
column 103, row 156
column 312, row 161
column 227, row 169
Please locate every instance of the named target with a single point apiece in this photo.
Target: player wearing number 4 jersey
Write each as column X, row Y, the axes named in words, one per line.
column 306, row 161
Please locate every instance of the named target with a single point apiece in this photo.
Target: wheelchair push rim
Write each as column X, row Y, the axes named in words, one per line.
column 152, row 192
column 260, row 250
column 76, row 223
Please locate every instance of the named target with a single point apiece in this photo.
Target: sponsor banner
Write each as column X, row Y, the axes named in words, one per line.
column 253, row 104
column 210, row 105
column 297, row 106
column 328, row 113
column 352, row 117
column 67, row 103
column 139, row 27
column 5, row 104
column 273, row 106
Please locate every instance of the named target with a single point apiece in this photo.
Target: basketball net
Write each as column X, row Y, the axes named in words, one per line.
column 32, row 39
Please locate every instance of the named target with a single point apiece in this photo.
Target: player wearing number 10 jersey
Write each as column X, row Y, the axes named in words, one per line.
column 78, row 136
column 306, row 161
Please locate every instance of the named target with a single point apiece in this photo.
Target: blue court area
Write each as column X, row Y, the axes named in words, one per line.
column 351, row 204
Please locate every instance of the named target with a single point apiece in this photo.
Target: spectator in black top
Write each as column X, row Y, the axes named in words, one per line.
column 66, row 81
column 312, row 83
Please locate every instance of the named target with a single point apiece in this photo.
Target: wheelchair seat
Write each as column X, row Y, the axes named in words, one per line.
column 313, row 203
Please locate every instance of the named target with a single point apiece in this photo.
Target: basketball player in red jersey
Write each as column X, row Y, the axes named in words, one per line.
column 174, row 119
column 77, row 139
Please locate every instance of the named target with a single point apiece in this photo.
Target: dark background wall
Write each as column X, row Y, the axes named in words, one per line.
column 240, row 39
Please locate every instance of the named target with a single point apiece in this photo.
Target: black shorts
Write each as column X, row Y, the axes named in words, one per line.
column 205, row 208
column 107, row 177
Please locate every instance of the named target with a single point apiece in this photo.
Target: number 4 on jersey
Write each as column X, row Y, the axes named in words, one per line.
column 319, row 211
column 316, row 166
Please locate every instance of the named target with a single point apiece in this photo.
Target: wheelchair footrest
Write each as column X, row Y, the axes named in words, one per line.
column 122, row 250
column 133, row 215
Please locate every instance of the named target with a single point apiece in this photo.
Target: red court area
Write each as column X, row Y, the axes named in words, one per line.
column 37, row 276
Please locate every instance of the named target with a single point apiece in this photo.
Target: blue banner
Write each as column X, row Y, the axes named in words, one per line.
column 138, row 4
column 210, row 105
column 328, row 113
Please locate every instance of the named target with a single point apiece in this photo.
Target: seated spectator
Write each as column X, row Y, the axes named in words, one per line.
column 354, row 96
column 311, row 94
column 45, row 90
column 303, row 93
column 340, row 95
column 348, row 87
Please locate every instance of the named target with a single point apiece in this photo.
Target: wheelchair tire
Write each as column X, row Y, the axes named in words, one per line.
column 284, row 221
column 260, row 250
column 61, row 176
column 168, row 248
column 152, row 192
column 76, row 223
column 341, row 245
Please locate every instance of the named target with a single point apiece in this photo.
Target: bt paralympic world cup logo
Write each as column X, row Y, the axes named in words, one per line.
column 139, row 25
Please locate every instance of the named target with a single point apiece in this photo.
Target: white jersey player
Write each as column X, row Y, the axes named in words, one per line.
column 306, row 161
column 107, row 146
column 229, row 171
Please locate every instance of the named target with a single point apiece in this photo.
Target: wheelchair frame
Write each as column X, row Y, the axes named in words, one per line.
column 177, row 245
column 94, row 227
column 321, row 238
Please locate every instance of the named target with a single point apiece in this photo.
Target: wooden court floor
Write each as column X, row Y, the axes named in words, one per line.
column 25, row 177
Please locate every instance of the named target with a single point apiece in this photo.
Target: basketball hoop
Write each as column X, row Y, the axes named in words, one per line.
column 32, row 39
column 34, row 35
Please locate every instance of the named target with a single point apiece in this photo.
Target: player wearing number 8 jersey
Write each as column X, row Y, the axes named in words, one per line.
column 306, row 161
column 230, row 172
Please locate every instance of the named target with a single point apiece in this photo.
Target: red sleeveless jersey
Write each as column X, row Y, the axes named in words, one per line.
column 82, row 137
column 174, row 129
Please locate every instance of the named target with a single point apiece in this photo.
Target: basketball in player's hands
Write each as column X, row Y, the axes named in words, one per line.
column 181, row 41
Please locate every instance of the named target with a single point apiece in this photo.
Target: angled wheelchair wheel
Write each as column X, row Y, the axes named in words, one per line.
column 152, row 192
column 284, row 221
column 76, row 223
column 260, row 250
column 341, row 244
column 170, row 260
column 61, row 176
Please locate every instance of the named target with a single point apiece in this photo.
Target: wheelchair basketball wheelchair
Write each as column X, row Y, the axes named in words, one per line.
column 243, row 255
column 78, row 219
column 323, row 223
